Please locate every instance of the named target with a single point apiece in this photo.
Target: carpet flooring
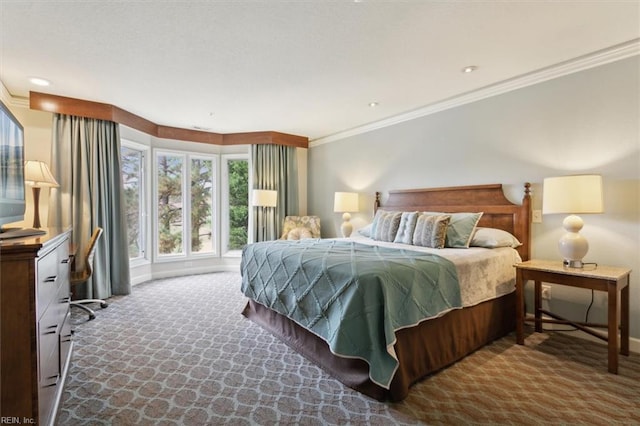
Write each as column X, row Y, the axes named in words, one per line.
column 177, row 352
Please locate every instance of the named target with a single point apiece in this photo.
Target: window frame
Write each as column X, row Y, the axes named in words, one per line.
column 144, row 201
column 224, row 202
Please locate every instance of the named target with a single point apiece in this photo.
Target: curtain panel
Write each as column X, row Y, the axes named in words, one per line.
column 85, row 159
column 275, row 167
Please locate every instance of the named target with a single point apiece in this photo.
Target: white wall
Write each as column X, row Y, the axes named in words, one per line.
column 587, row 122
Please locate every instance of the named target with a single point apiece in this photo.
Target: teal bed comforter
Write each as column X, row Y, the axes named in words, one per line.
column 354, row 296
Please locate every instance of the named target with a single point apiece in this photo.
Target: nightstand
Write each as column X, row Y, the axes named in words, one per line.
column 612, row 280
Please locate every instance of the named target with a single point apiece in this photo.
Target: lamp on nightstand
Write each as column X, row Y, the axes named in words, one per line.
column 345, row 202
column 37, row 175
column 578, row 194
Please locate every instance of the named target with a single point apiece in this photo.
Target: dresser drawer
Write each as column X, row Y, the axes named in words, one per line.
column 52, row 272
column 48, row 339
column 47, row 281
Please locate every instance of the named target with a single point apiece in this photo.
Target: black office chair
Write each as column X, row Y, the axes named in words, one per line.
column 81, row 277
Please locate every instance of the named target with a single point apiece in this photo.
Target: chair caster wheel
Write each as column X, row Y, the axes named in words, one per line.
column 104, row 305
column 92, row 317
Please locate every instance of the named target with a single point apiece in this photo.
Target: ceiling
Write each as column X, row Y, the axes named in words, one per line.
column 309, row 68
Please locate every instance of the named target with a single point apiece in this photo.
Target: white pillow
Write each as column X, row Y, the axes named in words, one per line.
column 493, row 238
column 366, row 230
column 405, row 229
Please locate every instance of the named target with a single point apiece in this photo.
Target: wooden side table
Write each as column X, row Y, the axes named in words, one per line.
column 614, row 281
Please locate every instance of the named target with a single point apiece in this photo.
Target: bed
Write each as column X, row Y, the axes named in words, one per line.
column 453, row 326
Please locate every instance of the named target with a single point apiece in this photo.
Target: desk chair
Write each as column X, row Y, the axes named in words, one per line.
column 81, row 277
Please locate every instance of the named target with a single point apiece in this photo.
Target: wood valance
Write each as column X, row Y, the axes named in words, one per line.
column 102, row 111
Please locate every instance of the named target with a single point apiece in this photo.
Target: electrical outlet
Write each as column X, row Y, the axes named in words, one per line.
column 546, row 292
column 537, row 216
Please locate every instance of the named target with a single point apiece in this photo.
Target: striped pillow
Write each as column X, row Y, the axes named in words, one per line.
column 385, row 225
column 431, row 230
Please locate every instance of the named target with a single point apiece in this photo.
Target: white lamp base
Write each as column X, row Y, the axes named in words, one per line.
column 347, row 227
column 572, row 246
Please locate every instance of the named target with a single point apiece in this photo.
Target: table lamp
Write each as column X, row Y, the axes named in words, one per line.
column 578, row 194
column 345, row 202
column 37, row 175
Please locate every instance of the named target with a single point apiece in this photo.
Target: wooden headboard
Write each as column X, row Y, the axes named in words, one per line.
column 498, row 211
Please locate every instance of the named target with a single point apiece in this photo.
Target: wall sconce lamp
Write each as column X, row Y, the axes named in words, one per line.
column 37, row 175
column 264, row 198
column 345, row 202
column 578, row 194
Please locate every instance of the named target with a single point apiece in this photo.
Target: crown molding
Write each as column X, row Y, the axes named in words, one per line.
column 102, row 111
column 11, row 100
column 595, row 59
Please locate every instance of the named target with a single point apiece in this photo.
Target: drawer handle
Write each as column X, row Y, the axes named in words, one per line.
column 65, row 260
column 51, row 279
column 65, row 299
column 52, row 384
column 52, row 328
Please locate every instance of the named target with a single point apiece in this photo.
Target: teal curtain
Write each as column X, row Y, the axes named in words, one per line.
column 275, row 167
column 85, row 159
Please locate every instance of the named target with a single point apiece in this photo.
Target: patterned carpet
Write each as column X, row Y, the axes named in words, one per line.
column 177, row 352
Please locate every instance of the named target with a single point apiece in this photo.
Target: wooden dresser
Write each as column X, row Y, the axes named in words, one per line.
column 35, row 335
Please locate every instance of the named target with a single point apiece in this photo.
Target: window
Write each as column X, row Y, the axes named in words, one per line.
column 202, row 197
column 133, row 162
column 184, row 205
column 236, row 176
column 184, row 195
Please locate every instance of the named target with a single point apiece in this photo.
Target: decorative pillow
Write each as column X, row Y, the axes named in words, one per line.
column 385, row 225
column 493, row 238
column 460, row 229
column 299, row 234
column 431, row 230
column 312, row 223
column 366, row 230
column 406, row 227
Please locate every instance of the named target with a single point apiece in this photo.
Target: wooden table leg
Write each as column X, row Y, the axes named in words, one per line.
column 519, row 308
column 538, row 306
column 624, row 319
column 612, row 315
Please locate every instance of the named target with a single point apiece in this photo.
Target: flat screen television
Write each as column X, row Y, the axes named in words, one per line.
column 12, row 187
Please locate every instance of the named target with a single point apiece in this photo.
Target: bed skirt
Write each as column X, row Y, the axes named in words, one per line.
column 422, row 350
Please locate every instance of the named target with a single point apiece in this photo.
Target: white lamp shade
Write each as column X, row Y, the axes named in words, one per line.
column 572, row 194
column 264, row 198
column 36, row 173
column 345, row 202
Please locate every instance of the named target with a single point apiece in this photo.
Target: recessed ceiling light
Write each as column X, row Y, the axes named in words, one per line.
column 373, row 104
column 470, row 68
column 39, row 81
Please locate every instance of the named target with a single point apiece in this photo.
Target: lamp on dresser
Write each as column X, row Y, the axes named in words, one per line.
column 578, row 194
column 37, row 175
column 264, row 198
column 345, row 202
